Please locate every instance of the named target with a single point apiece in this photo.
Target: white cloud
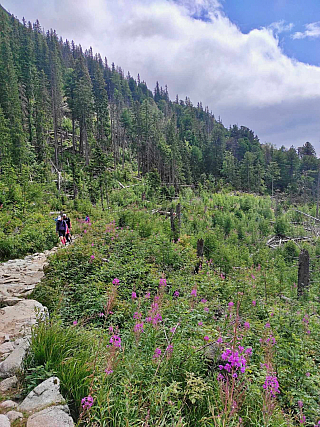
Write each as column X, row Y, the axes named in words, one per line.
column 281, row 26
column 312, row 30
column 245, row 78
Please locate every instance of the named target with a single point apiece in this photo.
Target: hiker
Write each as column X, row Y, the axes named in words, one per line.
column 61, row 227
column 87, row 219
column 69, row 228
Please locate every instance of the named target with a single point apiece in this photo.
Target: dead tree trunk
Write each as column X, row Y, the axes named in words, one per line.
column 303, row 272
column 200, row 245
column 178, row 212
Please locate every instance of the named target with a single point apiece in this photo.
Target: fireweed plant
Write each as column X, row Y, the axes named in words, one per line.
column 165, row 343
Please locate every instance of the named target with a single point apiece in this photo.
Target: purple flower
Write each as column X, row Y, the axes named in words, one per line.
column 219, row 340
column 200, row 323
column 253, row 276
column 308, row 374
column 231, row 304
column 308, row 332
column 254, row 303
column 271, row 385
column 162, row 282
column 84, row 231
column 176, row 294
column 75, row 322
column 111, row 328
column 147, row 295
column 203, row 300
column 247, row 325
column 101, row 314
column 194, row 292
column 108, row 371
column 206, row 338
column 115, row 340
column 206, row 309
column 138, row 327
column 87, row 402
column 137, row 315
column 300, row 403
column 303, row 419
column 133, row 295
column 92, row 257
column 267, row 325
column 169, row 349
column 157, row 353
column 115, row 281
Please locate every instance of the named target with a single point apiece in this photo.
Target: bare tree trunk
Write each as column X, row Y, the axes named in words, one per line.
column 303, row 272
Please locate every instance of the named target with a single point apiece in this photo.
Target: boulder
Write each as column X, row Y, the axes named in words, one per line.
column 8, row 404
column 4, row 421
column 13, row 362
column 55, row 416
column 8, row 383
column 18, row 319
column 14, row 415
column 46, row 393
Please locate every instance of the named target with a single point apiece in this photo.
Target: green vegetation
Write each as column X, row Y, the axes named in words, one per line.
column 149, row 346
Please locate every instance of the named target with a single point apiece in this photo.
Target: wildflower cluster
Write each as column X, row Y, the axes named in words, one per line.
column 87, row 402
column 271, row 385
column 115, row 340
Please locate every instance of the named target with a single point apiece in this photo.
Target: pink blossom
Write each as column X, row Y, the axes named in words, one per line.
column 308, row 374
column 138, row 327
column 206, row 338
column 115, row 281
column 108, row 371
column 147, row 295
column 176, row 294
column 253, row 276
column 101, row 314
column 92, row 257
column 92, row 244
column 162, row 282
column 219, row 340
column 206, row 309
column 247, row 325
column 254, row 303
column 194, row 292
column 231, row 304
column 200, row 323
column 75, row 322
column 133, row 295
column 157, row 353
column 87, row 402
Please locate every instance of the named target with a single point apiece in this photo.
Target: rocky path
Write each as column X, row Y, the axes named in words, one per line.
column 18, row 278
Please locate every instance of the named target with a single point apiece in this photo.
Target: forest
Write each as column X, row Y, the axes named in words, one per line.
column 179, row 301
column 70, row 117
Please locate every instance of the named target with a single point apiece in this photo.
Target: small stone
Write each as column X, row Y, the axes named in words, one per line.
column 8, row 404
column 46, row 393
column 8, row 383
column 55, row 416
column 14, row 415
column 4, row 421
column 13, row 362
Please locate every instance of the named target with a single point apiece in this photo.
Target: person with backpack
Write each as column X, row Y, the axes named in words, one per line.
column 61, row 227
column 69, row 228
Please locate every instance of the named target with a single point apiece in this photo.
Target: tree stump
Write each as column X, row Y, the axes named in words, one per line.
column 200, row 244
column 303, row 272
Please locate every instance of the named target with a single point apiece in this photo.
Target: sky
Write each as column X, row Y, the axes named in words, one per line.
column 254, row 63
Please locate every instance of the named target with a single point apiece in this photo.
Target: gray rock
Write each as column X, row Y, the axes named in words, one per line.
column 4, row 421
column 13, row 362
column 55, row 416
column 46, row 393
column 8, row 383
column 6, row 347
column 14, row 415
column 8, row 404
